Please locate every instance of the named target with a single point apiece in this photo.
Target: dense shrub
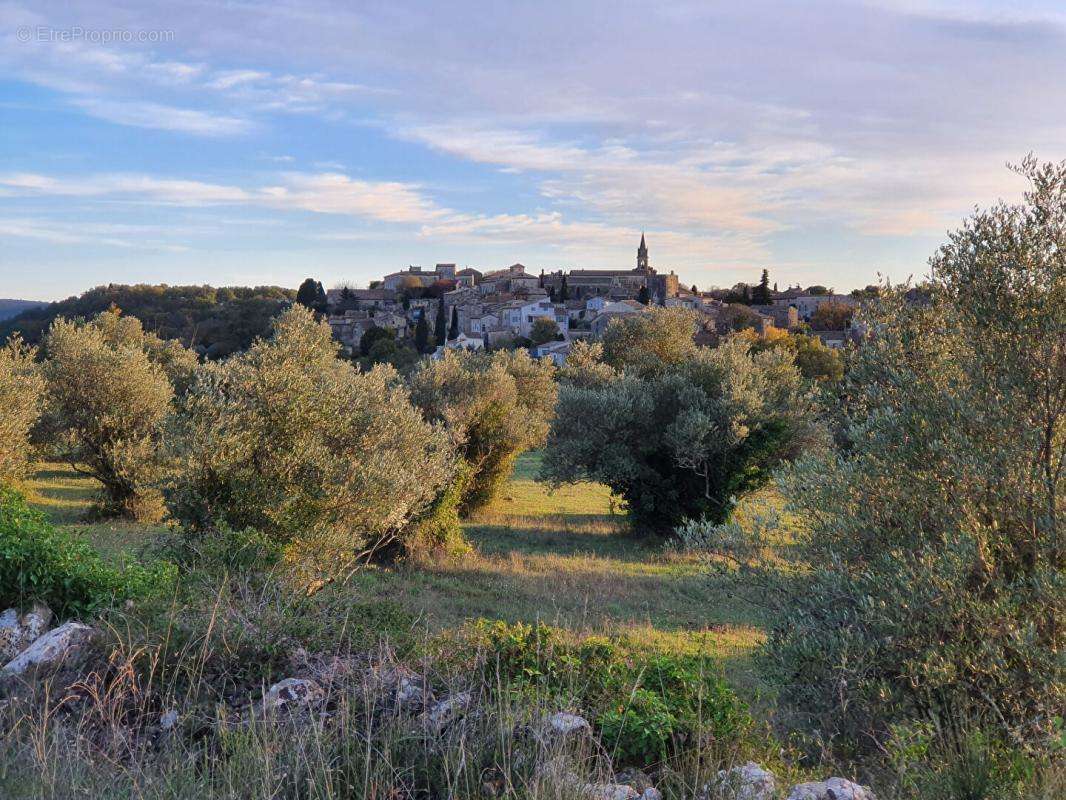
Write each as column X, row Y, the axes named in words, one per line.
column 290, row 440
column 110, row 388
column 21, row 387
column 684, row 439
column 647, row 706
column 39, row 562
column 494, row 407
column 929, row 577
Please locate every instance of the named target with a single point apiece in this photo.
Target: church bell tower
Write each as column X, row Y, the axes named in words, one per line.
column 642, row 255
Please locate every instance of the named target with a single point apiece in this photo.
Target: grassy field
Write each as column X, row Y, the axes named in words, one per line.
column 565, row 558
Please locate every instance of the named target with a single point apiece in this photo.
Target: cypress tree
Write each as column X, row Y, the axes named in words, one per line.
column 307, row 294
column 422, row 332
column 564, row 293
column 453, row 331
column 761, row 295
column 643, row 296
column 440, row 327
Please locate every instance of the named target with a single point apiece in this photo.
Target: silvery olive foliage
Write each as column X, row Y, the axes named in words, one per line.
column 286, row 438
column 109, row 391
column 650, row 342
column 21, row 387
column 683, row 438
column 494, row 407
column 926, row 581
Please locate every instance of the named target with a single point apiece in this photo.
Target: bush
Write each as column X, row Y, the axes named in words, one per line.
column 928, row 582
column 20, row 406
column 647, row 706
column 286, row 438
column 110, row 387
column 685, row 440
column 493, row 406
column 39, row 562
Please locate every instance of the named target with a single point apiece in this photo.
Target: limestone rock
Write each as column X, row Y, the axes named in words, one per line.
column 35, row 622
column 397, row 685
column 610, row 791
column 292, row 694
column 749, row 782
column 832, row 789
column 449, row 708
column 562, row 723
column 50, row 650
column 168, row 720
column 651, row 793
column 636, row 778
column 10, row 635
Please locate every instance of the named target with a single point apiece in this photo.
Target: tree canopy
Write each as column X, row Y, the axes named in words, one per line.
column 682, row 440
column 212, row 321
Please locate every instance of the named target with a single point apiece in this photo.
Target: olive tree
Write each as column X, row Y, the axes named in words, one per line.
column 927, row 577
column 494, row 406
column 680, row 439
column 108, row 395
column 331, row 462
column 21, row 387
column 650, row 341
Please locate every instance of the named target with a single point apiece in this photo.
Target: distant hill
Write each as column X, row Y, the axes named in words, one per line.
column 215, row 321
column 12, row 308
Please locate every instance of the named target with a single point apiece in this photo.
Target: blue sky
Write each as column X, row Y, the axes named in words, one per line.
column 256, row 143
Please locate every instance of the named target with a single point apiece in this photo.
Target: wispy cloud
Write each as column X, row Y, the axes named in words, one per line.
column 161, row 117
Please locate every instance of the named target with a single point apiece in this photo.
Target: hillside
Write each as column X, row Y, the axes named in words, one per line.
column 214, row 321
column 12, row 308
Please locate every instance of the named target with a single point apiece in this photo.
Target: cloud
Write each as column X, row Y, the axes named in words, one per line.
column 140, row 187
column 86, row 234
column 335, row 193
column 161, row 117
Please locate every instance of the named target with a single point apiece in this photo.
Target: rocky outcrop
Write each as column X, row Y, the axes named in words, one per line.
column 292, row 694
column 748, row 782
column 394, row 685
column 49, row 650
column 562, row 724
column 832, row 789
column 10, row 635
column 610, row 791
column 450, row 708
column 19, row 632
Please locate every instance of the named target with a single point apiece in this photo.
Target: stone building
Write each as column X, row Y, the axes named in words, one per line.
column 615, row 283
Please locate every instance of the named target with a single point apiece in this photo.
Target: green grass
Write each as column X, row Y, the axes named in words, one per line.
column 66, row 497
column 562, row 557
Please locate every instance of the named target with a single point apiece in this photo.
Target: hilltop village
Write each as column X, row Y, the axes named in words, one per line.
column 472, row 310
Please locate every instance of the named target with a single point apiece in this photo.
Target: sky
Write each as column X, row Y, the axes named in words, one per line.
column 246, row 143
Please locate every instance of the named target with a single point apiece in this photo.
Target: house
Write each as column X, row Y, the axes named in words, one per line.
column 834, row 340
column 556, row 351
column 513, row 279
column 786, row 317
column 466, row 342
column 416, row 276
column 467, row 277
column 613, row 311
column 807, row 304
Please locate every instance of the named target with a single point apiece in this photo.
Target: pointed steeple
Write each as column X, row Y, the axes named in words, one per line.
column 642, row 254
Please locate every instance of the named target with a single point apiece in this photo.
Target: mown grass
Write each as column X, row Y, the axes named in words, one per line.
column 563, row 557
